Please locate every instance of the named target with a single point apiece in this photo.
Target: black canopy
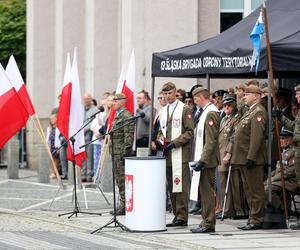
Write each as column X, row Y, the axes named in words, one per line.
column 230, row 52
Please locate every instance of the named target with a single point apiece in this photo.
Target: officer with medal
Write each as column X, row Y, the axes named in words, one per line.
column 122, row 140
column 176, row 132
column 206, row 159
column 250, row 155
column 233, row 206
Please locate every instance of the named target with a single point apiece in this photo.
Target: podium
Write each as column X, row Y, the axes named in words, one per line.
column 145, row 191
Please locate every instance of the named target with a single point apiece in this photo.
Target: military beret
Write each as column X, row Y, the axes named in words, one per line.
column 297, row 88
column 119, row 97
column 253, row 89
column 219, row 92
column 198, row 90
column 286, row 133
column 253, row 82
column 284, row 92
column 229, row 98
column 188, row 95
column 168, row 86
column 241, row 86
column 195, row 86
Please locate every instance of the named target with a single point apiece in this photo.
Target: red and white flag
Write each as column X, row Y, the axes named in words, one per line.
column 126, row 86
column 113, row 112
column 17, row 81
column 129, row 86
column 70, row 111
column 12, row 111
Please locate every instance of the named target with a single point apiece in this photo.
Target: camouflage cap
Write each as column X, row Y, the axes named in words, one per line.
column 253, row 82
column 253, row 89
column 168, row 86
column 198, row 90
column 229, row 98
column 297, row 88
column 241, row 86
column 119, row 97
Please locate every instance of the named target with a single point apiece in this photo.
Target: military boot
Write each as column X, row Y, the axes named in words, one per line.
column 295, row 226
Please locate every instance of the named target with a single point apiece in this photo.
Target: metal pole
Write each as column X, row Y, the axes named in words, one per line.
column 208, row 82
column 270, row 138
column 151, row 116
column 271, row 79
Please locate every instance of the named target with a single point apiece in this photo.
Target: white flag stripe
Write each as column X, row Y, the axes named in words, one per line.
column 14, row 74
column 76, row 112
column 5, row 85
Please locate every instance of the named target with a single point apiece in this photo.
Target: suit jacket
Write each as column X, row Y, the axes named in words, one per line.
column 249, row 141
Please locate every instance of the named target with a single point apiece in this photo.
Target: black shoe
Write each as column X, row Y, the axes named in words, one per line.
column 83, row 179
column 198, row 212
column 219, row 216
column 295, row 226
column 243, row 226
column 194, row 209
column 64, row 177
column 202, row 229
column 177, row 223
column 119, row 211
column 89, row 179
column 239, row 217
column 252, row 227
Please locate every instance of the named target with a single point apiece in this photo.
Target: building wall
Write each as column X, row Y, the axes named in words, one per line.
column 104, row 33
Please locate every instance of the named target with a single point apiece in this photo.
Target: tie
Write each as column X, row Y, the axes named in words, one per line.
column 197, row 115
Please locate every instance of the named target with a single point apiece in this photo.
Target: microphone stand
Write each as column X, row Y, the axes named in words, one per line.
column 76, row 209
column 114, row 220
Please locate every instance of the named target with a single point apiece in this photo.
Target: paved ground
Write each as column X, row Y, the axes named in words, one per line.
column 29, row 220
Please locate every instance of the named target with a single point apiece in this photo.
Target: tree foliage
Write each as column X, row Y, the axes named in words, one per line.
column 13, row 32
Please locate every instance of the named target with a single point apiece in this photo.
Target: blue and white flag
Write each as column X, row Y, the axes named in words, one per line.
column 255, row 36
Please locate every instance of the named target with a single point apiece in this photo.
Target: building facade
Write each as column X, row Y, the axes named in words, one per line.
column 104, row 33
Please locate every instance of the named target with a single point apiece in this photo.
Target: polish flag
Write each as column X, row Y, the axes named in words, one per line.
column 113, row 112
column 70, row 111
column 16, row 80
column 129, row 86
column 12, row 111
column 126, row 86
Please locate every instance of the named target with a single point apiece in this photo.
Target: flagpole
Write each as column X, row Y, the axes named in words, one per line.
column 271, row 79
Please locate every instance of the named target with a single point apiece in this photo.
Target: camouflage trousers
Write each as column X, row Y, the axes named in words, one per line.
column 297, row 164
column 120, row 178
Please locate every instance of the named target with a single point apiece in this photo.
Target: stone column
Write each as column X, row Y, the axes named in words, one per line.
column 13, row 158
column 43, row 165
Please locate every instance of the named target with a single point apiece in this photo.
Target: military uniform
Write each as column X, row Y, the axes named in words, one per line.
column 289, row 177
column 233, row 204
column 211, row 158
column 294, row 126
column 249, row 144
column 122, row 142
column 180, row 200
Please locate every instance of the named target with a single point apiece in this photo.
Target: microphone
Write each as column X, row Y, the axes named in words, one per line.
column 139, row 115
column 101, row 109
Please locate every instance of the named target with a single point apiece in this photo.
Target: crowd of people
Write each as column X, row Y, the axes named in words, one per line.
column 215, row 145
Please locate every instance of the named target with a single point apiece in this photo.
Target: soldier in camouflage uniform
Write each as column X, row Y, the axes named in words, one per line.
column 122, row 142
column 295, row 126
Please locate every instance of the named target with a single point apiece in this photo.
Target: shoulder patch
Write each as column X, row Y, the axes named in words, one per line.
column 210, row 122
column 259, row 118
column 189, row 116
